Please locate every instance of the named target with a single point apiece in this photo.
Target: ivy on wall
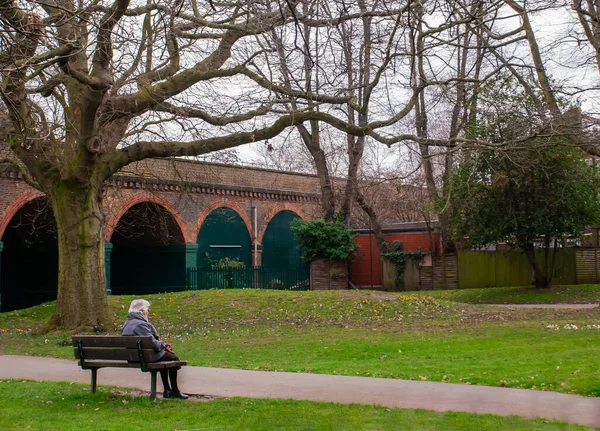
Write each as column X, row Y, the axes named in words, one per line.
column 399, row 257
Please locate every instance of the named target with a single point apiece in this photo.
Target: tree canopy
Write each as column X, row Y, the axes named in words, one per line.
column 530, row 198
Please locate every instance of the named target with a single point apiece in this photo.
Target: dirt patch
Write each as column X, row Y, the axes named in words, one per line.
column 135, row 393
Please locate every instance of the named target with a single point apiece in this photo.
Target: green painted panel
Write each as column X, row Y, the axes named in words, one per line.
column 512, row 269
column 223, row 235
column 476, row 269
column 144, row 270
column 107, row 257
column 280, row 248
column 565, row 268
column 509, row 268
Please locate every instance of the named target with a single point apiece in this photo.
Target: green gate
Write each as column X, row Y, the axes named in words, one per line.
column 223, row 236
column 280, row 248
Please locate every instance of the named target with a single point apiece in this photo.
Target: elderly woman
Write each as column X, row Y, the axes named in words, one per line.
column 137, row 324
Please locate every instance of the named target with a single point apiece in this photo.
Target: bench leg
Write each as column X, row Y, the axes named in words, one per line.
column 153, row 385
column 94, row 379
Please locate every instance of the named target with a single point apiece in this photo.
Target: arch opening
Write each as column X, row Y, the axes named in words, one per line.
column 280, row 248
column 223, row 236
column 29, row 266
column 282, row 256
column 148, row 252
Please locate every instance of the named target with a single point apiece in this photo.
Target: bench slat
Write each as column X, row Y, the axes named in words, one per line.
column 112, row 341
column 98, row 363
column 161, row 365
column 119, row 354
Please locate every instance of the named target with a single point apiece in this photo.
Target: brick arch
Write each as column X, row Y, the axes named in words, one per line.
column 15, row 206
column 220, row 203
column 276, row 210
column 139, row 198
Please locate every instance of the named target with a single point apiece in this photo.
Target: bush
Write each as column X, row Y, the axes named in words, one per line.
column 320, row 238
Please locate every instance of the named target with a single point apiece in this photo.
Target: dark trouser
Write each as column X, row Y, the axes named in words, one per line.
column 170, row 374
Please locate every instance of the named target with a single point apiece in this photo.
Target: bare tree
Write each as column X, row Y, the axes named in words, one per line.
column 92, row 87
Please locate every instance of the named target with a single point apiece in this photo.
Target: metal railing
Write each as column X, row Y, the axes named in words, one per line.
column 293, row 278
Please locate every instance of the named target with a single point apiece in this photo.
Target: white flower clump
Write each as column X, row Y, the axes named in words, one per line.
column 572, row 327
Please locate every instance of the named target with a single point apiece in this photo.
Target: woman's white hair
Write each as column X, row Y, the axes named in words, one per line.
column 137, row 305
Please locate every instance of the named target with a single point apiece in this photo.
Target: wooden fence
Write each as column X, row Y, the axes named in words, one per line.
column 473, row 269
column 442, row 274
column 586, row 262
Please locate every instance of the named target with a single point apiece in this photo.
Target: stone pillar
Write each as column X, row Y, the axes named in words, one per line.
column 107, row 252
column 191, row 261
column 191, row 255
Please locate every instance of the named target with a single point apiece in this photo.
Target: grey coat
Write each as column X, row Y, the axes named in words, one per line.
column 136, row 326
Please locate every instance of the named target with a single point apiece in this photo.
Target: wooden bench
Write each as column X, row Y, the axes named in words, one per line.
column 100, row 351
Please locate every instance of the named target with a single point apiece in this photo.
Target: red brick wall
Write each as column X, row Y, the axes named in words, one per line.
column 239, row 188
column 225, row 175
column 366, row 268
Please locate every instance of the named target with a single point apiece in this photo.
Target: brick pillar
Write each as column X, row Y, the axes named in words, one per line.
column 107, row 251
column 257, row 255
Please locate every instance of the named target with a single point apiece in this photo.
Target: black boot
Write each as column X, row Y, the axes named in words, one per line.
column 164, row 376
column 178, row 394
column 175, row 392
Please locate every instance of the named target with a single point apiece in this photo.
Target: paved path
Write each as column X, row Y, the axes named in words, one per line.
column 554, row 306
column 340, row 389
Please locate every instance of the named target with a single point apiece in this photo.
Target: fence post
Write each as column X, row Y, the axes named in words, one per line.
column 596, row 263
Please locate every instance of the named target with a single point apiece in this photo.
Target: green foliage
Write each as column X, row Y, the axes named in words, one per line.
column 538, row 192
column 399, row 257
column 227, row 263
column 320, row 238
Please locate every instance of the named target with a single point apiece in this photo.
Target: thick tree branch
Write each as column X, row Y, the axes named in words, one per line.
column 186, row 112
column 103, row 55
column 153, row 95
column 23, row 171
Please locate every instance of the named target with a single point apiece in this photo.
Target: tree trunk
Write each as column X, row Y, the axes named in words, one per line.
column 81, row 301
column 374, row 221
column 542, row 278
column 448, row 244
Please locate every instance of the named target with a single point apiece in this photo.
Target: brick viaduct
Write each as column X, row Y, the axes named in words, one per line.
column 188, row 191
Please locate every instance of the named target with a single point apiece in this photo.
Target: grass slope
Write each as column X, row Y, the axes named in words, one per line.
column 575, row 294
column 362, row 333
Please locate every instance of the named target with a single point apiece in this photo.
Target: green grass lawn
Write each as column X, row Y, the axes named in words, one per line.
column 575, row 294
column 46, row 406
column 392, row 335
